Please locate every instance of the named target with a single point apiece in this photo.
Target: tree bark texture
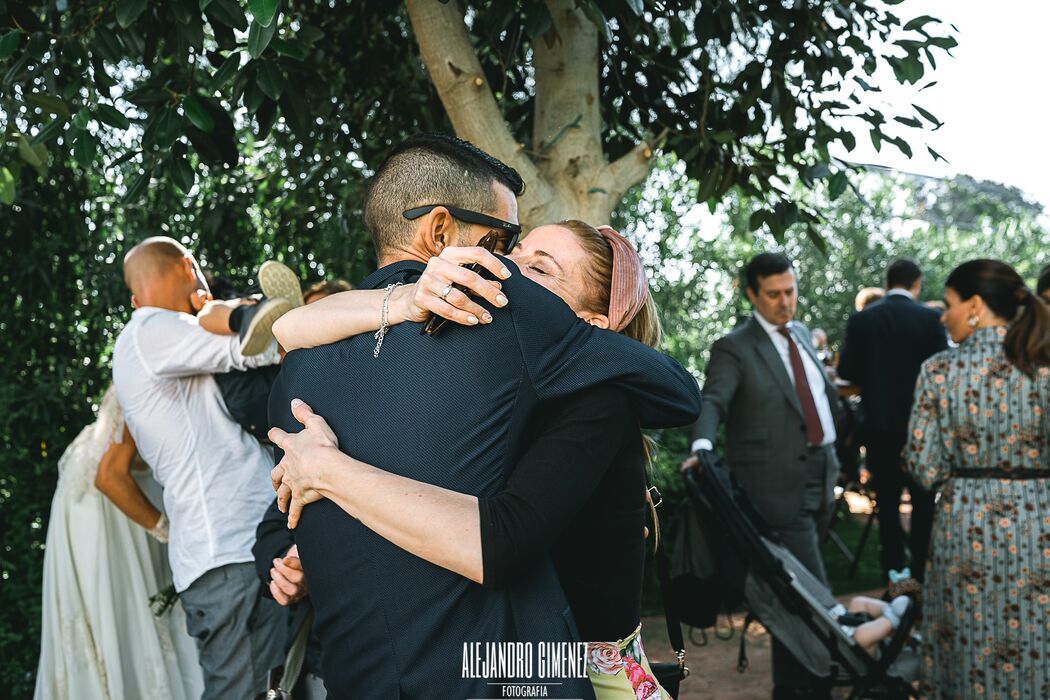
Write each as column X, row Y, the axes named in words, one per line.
column 567, row 174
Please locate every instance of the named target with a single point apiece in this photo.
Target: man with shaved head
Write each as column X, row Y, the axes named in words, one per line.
column 215, row 475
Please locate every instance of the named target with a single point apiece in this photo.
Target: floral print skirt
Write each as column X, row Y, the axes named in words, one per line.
column 621, row 671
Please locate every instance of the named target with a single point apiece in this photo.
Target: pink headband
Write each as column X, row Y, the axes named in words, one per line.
column 630, row 286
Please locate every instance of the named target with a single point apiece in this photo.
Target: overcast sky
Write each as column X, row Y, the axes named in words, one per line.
column 993, row 97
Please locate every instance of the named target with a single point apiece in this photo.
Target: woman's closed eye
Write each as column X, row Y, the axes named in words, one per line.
column 538, row 270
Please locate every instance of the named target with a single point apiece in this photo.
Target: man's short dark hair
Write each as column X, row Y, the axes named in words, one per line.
column 902, row 274
column 764, row 265
column 1042, row 284
column 432, row 169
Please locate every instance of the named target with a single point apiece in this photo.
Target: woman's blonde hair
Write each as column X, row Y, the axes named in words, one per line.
column 645, row 326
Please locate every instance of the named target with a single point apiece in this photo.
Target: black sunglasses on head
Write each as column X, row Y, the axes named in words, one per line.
column 510, row 231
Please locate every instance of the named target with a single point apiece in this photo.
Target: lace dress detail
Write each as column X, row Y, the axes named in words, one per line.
column 99, row 637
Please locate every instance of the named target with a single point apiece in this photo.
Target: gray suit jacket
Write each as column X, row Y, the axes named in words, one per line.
column 748, row 389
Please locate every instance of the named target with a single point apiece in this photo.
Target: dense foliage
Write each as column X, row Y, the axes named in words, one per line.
column 748, row 95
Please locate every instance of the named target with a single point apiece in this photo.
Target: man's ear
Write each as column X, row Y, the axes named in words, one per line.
column 437, row 231
column 751, row 296
column 134, row 302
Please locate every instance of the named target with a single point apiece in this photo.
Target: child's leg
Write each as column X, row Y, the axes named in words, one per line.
column 874, row 631
column 870, row 606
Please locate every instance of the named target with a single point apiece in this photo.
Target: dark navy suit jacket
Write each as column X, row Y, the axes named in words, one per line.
column 449, row 410
column 883, row 351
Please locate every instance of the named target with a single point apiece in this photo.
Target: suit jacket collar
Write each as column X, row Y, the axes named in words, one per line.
column 763, row 345
column 400, row 269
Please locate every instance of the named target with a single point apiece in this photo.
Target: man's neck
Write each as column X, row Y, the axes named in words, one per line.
column 401, row 255
column 901, row 291
column 170, row 304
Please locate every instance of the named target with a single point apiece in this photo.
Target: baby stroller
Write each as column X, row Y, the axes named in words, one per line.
column 789, row 601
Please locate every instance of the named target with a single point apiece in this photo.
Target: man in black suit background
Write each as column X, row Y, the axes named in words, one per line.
column 884, row 348
column 449, row 409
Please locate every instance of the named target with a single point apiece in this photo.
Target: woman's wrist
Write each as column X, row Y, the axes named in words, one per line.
column 401, row 304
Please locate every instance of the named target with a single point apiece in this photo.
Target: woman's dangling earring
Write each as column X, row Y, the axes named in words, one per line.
column 972, row 321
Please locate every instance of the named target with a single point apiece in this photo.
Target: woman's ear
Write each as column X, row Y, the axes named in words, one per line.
column 600, row 320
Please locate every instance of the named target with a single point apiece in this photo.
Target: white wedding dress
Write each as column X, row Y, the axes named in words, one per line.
column 99, row 638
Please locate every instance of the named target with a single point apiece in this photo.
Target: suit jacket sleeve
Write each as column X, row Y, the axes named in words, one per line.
column 563, row 354
column 723, row 379
column 273, row 539
column 854, row 346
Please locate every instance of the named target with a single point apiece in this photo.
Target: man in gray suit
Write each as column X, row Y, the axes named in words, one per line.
column 765, row 382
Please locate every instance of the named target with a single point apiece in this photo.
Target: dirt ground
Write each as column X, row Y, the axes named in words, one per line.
column 712, row 667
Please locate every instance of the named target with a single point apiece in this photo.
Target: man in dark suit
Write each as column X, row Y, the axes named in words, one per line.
column 449, row 409
column 766, row 384
column 884, row 348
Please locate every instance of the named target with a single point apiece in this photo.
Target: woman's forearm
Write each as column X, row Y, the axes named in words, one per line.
column 337, row 317
column 436, row 524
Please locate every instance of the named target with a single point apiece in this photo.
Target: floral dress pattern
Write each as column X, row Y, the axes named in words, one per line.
column 987, row 591
column 620, row 670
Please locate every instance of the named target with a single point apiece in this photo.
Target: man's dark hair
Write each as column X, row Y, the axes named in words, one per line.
column 764, row 265
column 1042, row 284
column 902, row 274
column 431, row 169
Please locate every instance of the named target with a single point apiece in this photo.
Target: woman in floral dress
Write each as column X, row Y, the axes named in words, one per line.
column 980, row 434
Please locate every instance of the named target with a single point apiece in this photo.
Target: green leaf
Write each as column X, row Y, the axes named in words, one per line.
column 909, row 121
column 168, row 122
column 228, row 12
column 7, row 186
column 197, row 114
column 937, row 123
column 876, row 139
column 919, row 22
column 128, row 11
column 49, row 103
column 137, row 188
column 271, row 80
column 309, row 33
column 537, row 19
column 848, row 140
column 263, row 10
column 636, row 6
column 82, row 119
column 597, row 18
column 52, row 129
column 9, row 42
column 259, row 38
column 25, row 150
column 292, row 48
column 225, row 73
column 108, row 114
column 84, row 149
column 837, row 184
column 757, row 219
column 182, row 174
column 936, row 155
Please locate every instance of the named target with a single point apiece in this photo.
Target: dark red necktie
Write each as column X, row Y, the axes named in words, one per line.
column 814, row 430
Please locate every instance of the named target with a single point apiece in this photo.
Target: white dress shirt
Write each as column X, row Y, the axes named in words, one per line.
column 814, row 374
column 900, row 291
column 215, row 475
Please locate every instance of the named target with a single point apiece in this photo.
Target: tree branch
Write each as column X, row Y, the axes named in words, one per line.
column 565, row 60
column 631, row 168
column 445, row 47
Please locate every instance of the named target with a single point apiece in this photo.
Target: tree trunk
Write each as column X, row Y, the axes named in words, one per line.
column 568, row 176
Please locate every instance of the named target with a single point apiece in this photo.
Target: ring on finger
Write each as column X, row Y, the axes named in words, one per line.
column 445, row 292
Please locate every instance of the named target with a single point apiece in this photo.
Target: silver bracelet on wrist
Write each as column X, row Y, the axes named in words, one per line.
column 384, row 325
